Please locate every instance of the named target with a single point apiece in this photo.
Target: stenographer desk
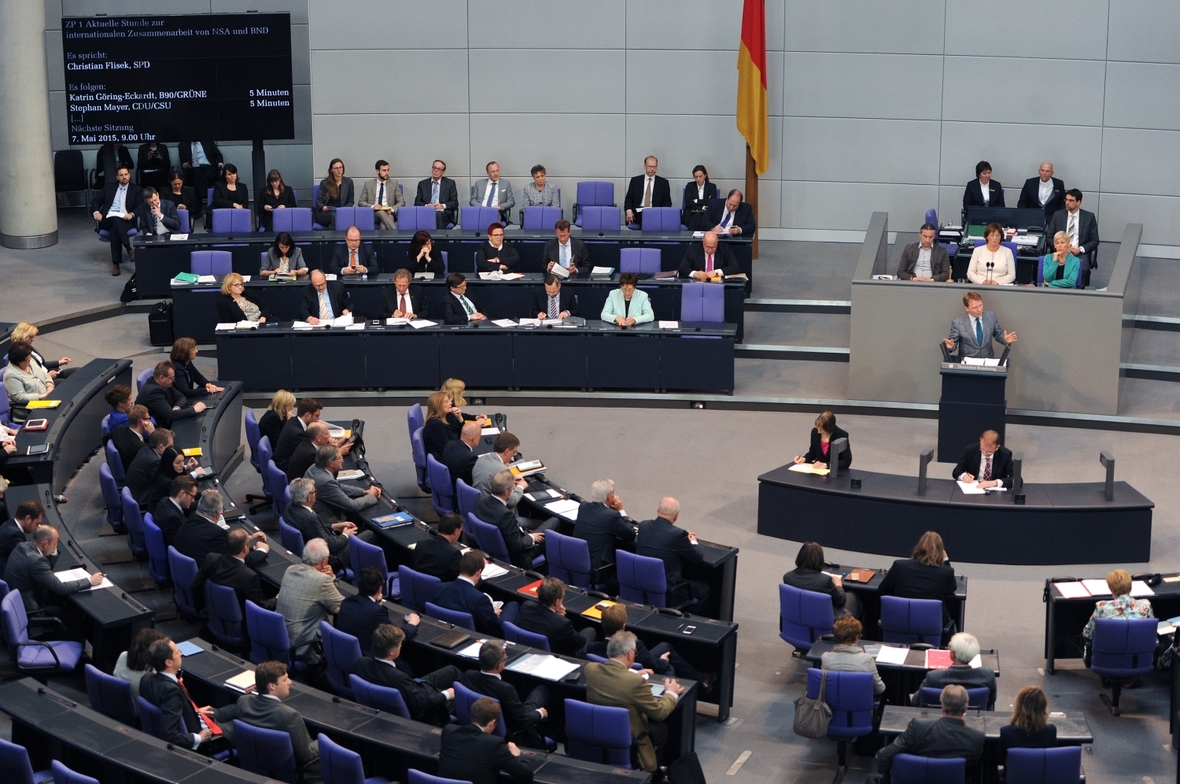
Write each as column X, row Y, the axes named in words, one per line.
column 194, row 305
column 595, row 356
column 158, row 261
column 1057, row 524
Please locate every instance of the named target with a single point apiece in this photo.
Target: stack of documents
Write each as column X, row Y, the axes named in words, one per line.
column 492, row 571
column 567, row 508
column 82, row 574
column 542, row 665
column 891, row 655
column 809, row 468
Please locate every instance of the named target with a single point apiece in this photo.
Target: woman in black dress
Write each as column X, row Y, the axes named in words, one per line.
column 277, row 413
column 422, row 257
column 275, row 196
column 440, row 427
column 697, row 196
column 229, row 193
column 335, row 191
column 184, row 197
column 189, row 380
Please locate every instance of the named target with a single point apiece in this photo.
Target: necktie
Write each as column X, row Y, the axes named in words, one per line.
column 647, row 194
column 709, row 263
column 325, row 308
column 725, row 221
column 1072, row 230
column 979, row 332
column 381, row 194
column 212, row 725
column 467, row 305
column 402, row 306
column 491, row 195
column 351, row 258
column 565, row 256
column 434, row 193
column 160, row 229
column 553, row 307
column 120, row 206
column 987, row 468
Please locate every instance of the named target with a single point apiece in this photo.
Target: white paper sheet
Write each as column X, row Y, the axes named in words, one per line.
column 178, row 237
column 420, row 323
column 504, row 322
column 890, row 655
column 1140, row 588
column 564, row 508
column 396, row 322
column 529, row 322
column 81, row 574
column 352, row 473
column 971, row 488
column 977, row 662
column 1097, row 587
column 1072, row 590
column 669, row 324
column 492, row 571
column 541, row 665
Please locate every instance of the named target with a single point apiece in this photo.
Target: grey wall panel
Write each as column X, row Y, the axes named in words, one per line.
column 381, row 24
column 1144, row 162
column 770, row 203
column 843, row 150
column 776, row 23
column 686, row 24
column 706, row 82
column 1015, row 28
column 59, row 138
column 914, row 27
column 589, row 81
column 1077, row 85
column 1160, row 216
column 362, row 138
column 1142, row 95
column 774, row 84
column 1015, row 151
column 336, row 75
column 54, row 60
column 1144, row 31
column 53, row 14
column 518, row 142
column 300, row 53
column 886, row 85
column 836, row 205
column 295, row 163
column 301, row 102
column 551, row 24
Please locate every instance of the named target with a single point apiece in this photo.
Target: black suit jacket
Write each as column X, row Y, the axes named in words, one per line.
column 517, row 714
column 818, row 582
column 159, row 402
column 417, row 302
column 520, row 545
column 693, row 209
column 1030, row 196
column 565, row 301
column 425, row 702
column 661, row 193
column 459, row 459
column 364, row 257
column 912, row 579
column 579, row 255
column 470, row 754
column 462, row 596
column 659, row 538
column 488, row 259
column 438, row 557
column 972, row 459
column 168, row 518
column 743, row 217
column 141, row 475
column 360, row 616
column 190, row 381
column 453, row 311
column 311, row 526
column 338, row 297
column 178, row 719
column 448, row 196
column 128, row 442
column 147, row 221
column 211, row 152
column 301, row 459
column 1087, row 233
column 815, row 451
column 558, row 629
column 228, row 310
column 694, row 260
column 603, row 529
column 942, row 738
column 436, row 434
column 292, row 435
column 11, row 537
column 973, row 196
column 131, row 204
column 232, row 573
column 198, row 537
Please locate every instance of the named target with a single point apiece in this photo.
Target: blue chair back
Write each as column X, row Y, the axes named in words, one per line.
column 491, row 541
column 641, row 579
column 114, row 465
column 1061, row 765
column 418, row 777
column 442, row 496
column 185, row 224
column 850, row 695
column 231, row 221
column 342, row 766
column 1122, row 648
column 157, row 551
column 540, row 218
column 63, row 775
column 478, row 218
column 267, row 631
column 290, row 537
column 951, row 248
column 341, row 651
column 417, row 588
column 110, row 696
column 702, row 302
column 252, row 436
column 292, row 219
column 134, row 522
column 568, row 558
column 514, row 633
column 598, row 733
column 111, row 497
column 1012, row 246
column 911, row 621
column 279, row 490
column 39, row 657
column 643, row 261
column 660, row 219
column 141, row 379
column 932, row 217
column 466, row 497
column 415, row 418
column 596, row 193
column 910, row 769
column 804, row 616
column 265, row 752
column 601, row 218
column 210, row 262
column 225, row 615
column 362, row 554
column 416, row 218
column 456, row 617
column 348, row 216
column 464, row 697
column 106, row 421
column 183, row 569
column 418, row 449
column 978, row 698
column 14, row 761
column 384, row 698
column 150, row 718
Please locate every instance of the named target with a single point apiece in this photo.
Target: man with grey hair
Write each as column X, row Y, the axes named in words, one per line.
column 964, row 648
column 615, row 684
column 336, row 501
column 206, row 532
column 504, row 451
column 946, row 737
column 308, row 595
column 30, row 571
column 604, row 525
column 301, row 515
column 660, row 538
column 303, row 457
column 522, row 537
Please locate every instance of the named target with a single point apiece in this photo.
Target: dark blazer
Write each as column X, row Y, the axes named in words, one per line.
column 435, row 264
column 488, row 259
column 940, row 266
column 190, row 381
column 436, row 434
column 1012, row 737
column 459, row 458
column 228, row 310
column 558, row 629
column 224, row 198
column 448, row 196
column 128, row 442
column 942, row 738
column 453, row 311
column 470, row 754
column 364, row 257
column 229, row 571
column 661, row 193
column 811, row 580
column 965, row 676
column 131, row 203
column 659, row 538
column 338, row 297
column 147, row 221
column 31, row 572
column 912, row 579
column 603, row 529
column 743, row 217
column 162, row 164
column 815, row 451
column 517, row 714
column 425, row 702
column 579, row 255
column 463, row 596
column 972, row 460
column 12, row 537
column 159, row 402
column 360, row 616
column 973, row 196
column 438, row 557
column 1030, row 196
column 210, row 148
column 417, row 302
column 198, row 537
column 723, row 260
column 178, row 719
column 186, row 197
column 302, row 459
column 1087, row 233
column 141, row 475
column 267, row 198
column 168, row 518
column 693, row 210
column 271, row 426
column 292, row 434
column 347, row 197
column 311, row 526
column 565, row 301
column 520, row 545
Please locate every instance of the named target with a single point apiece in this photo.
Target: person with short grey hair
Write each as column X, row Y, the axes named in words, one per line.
column 604, row 526
column 302, row 516
column 620, row 644
column 202, row 533
column 336, row 502
column 522, row 537
column 945, row 737
column 661, row 538
column 301, row 489
column 210, row 504
column 964, row 648
column 308, row 595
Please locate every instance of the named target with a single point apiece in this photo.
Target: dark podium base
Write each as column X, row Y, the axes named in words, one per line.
column 972, row 401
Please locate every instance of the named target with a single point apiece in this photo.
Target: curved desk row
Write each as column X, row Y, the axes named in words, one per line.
column 160, row 260
column 597, row 356
column 1058, row 523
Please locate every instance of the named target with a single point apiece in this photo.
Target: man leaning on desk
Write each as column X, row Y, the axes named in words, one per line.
column 988, row 464
column 974, row 331
column 709, row 261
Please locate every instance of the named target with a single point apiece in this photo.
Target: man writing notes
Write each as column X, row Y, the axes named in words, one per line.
column 563, row 251
column 1082, row 228
column 708, row 261
column 382, row 195
column 988, row 465
column 924, row 261
column 403, row 300
column 974, row 331
column 323, row 300
column 553, row 303
column 116, row 214
column 494, row 192
column 732, row 216
column 440, row 193
column 1044, row 191
column 646, row 190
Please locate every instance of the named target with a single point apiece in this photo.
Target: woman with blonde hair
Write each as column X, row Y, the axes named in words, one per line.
column 441, row 424
column 1029, row 727
column 1060, row 268
column 24, row 332
column 1120, row 605
column 282, row 405
column 236, row 305
column 455, row 387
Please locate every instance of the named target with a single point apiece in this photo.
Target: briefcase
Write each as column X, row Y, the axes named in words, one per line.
column 160, row 324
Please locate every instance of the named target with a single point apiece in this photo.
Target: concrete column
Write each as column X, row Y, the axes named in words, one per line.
column 28, row 205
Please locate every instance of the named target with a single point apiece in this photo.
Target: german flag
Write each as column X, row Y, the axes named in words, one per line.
column 751, row 95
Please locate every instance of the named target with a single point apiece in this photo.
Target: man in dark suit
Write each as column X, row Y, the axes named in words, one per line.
column 116, row 213
column 162, row 401
column 141, row 474
column 1044, row 191
column 182, row 723
column 403, row 300
column 323, row 300
column 295, row 431
column 30, row 571
column 473, row 752
column 522, row 717
column 546, row 617
column 231, row 571
column 440, row 193
column 973, row 195
column 463, row 596
column 492, row 508
column 925, row 260
column 170, row 514
column 201, row 535
column 303, row 517
column 662, row 659
column 316, row 435
column 362, row 612
column 130, row 438
column 157, row 217
column 353, row 257
column 964, row 648
column 15, row 532
column 457, row 307
column 709, row 260
column 428, row 698
column 552, row 302
column 264, row 708
column 459, row 455
column 439, row 556
column 988, row 463
column 946, row 737
column 660, row 538
column 602, row 524
column 973, row 332
column 566, row 251
column 202, row 163
column 1082, row 228
column 732, row 216
column 646, row 190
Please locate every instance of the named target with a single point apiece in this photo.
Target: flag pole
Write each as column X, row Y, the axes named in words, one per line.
column 752, row 195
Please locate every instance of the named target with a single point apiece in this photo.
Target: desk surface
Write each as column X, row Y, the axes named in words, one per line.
column 199, row 239
column 915, row 660
column 1072, row 729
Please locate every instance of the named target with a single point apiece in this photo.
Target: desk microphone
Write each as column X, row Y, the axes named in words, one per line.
column 990, row 266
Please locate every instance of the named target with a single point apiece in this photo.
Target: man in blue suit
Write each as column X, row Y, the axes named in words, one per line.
column 362, row 612
column 974, row 331
column 660, row 538
column 463, row 596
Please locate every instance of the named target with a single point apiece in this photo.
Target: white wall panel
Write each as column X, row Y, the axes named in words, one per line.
column 1143, row 162
column 848, row 205
column 1160, row 216
column 340, row 88
column 385, row 24
column 1144, row 31
column 360, row 139
column 843, row 150
column 1143, row 95
column 1018, row 28
column 547, row 24
column 686, row 24
column 913, row 27
column 705, row 83
column 583, row 81
column 886, row 86
column 518, row 142
column 1023, row 90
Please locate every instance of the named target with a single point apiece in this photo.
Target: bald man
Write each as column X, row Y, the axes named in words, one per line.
column 732, row 216
column 1044, row 191
column 708, row 261
column 661, row 538
column 459, row 456
column 323, row 300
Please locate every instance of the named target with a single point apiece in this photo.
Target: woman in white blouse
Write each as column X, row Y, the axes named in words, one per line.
column 992, row 264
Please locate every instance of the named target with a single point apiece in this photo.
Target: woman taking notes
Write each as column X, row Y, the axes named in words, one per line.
column 626, row 305
column 822, row 435
column 1060, row 269
column 992, row 264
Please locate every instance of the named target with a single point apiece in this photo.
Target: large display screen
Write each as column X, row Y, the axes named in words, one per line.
column 221, row 77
